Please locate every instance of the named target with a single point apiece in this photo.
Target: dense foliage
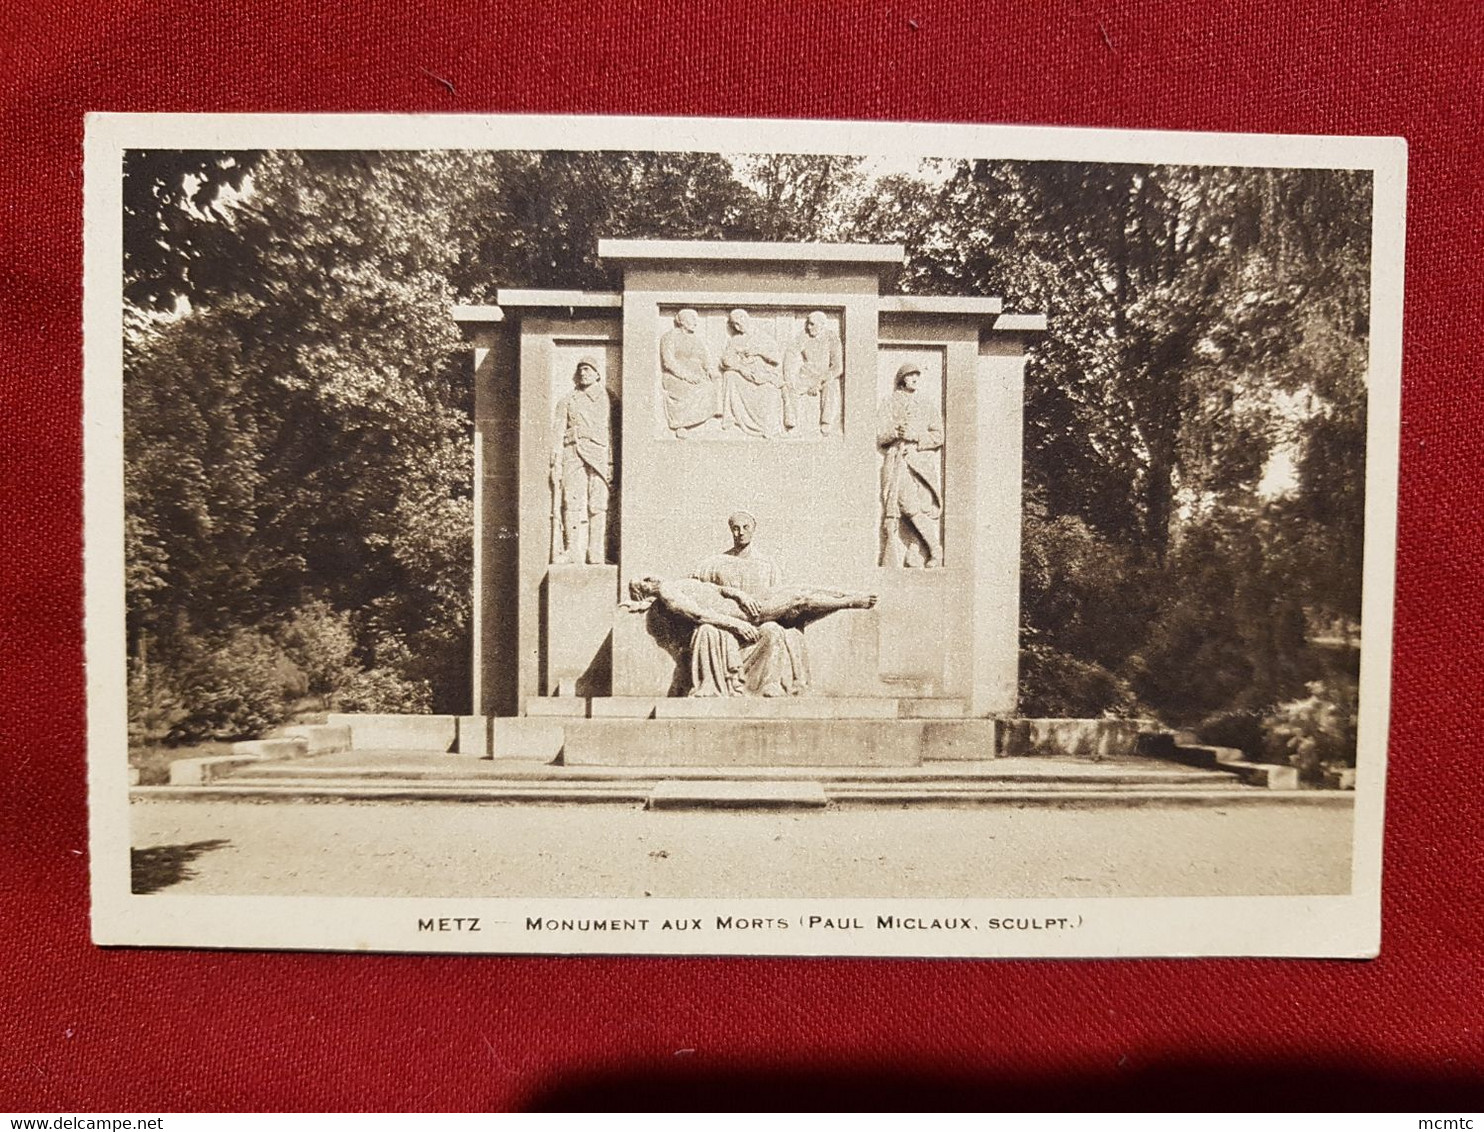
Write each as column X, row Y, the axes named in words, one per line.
column 297, row 409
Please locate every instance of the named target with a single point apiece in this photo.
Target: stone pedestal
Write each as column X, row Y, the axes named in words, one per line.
column 578, row 603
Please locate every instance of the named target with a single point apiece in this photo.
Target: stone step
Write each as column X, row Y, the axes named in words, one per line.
column 1072, row 797
column 463, row 770
column 991, row 786
column 744, row 707
column 352, row 791
column 730, row 794
column 773, row 742
column 504, row 785
column 780, row 707
column 721, row 794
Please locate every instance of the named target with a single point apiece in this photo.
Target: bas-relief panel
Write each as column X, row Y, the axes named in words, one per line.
column 909, row 432
column 759, row 373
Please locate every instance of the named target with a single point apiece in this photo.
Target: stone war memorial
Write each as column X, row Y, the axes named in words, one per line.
column 752, row 509
column 747, row 532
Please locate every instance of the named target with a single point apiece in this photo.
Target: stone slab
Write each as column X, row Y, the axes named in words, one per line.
column 572, row 300
column 1073, row 738
column 203, row 771
column 526, row 739
column 474, row 736
column 621, row 707
column 1270, row 776
column 641, row 665
column 1340, row 778
column 1021, row 323
column 781, row 707
column 1267, row 775
column 563, row 707
column 579, row 603
column 399, row 732
column 741, row 742
column 321, row 738
column 774, row 742
column 931, row 708
column 843, row 654
column 286, row 748
column 940, row 304
column 619, row 251
column 724, row 794
column 911, row 629
column 477, row 315
column 958, row 740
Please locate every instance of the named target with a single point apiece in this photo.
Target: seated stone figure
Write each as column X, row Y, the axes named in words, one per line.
column 750, row 376
column 754, row 645
column 688, row 376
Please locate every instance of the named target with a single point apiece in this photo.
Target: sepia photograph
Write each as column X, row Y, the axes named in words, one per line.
column 681, row 536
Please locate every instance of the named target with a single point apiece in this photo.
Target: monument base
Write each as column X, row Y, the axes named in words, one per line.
column 748, row 707
column 775, row 742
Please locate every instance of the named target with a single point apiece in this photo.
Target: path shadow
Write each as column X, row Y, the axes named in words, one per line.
column 163, row 865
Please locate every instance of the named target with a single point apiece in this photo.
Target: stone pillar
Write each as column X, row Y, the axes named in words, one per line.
column 496, row 510
column 998, row 482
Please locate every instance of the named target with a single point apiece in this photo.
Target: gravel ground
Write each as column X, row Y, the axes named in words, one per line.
column 433, row 849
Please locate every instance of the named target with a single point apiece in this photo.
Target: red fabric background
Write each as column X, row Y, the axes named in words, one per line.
column 85, row 1029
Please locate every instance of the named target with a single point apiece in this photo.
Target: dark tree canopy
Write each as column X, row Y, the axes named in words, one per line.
column 171, row 214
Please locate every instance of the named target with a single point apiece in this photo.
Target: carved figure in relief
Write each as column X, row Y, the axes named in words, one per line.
column 582, row 466
column 910, row 434
column 748, row 637
column 750, row 377
column 813, row 367
column 760, row 623
column 690, row 379
column 777, row 663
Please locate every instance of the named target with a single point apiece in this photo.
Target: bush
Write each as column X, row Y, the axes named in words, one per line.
column 1055, row 685
column 321, row 643
column 154, row 704
column 1315, row 732
column 1240, row 729
column 231, row 691
column 1081, row 594
column 383, row 690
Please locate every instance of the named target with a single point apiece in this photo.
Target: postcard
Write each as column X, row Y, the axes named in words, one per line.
column 682, row 536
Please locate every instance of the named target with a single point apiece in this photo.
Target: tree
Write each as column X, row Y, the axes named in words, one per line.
column 172, row 220
column 288, row 439
column 535, row 219
column 802, row 196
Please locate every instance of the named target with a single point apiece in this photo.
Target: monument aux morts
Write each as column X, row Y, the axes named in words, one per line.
column 747, row 510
